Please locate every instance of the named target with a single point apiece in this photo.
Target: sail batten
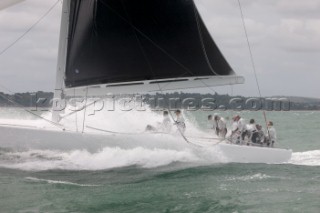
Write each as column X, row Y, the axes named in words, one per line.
column 114, row 41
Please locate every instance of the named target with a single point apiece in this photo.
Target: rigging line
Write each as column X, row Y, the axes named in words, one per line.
column 76, row 114
column 149, row 39
column 8, row 90
column 231, row 88
column 139, row 43
column 150, row 66
column 113, row 132
column 138, row 40
column 18, row 95
column 139, row 133
column 179, row 130
column 205, row 85
column 147, row 59
column 252, row 63
column 36, row 115
column 144, row 52
column 196, row 14
column 85, row 110
column 229, row 112
column 160, row 89
column 203, row 46
column 250, row 50
column 177, row 78
column 30, row 28
column 203, row 49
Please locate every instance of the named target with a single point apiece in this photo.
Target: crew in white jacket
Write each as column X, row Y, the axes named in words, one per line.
column 238, row 129
column 221, row 126
column 180, row 122
column 271, row 135
column 166, row 124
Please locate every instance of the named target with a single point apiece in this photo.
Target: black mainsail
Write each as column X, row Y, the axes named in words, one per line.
column 114, row 41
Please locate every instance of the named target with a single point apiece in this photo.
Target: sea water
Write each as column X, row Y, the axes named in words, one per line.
column 162, row 180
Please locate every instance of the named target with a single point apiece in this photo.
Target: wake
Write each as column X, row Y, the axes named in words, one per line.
column 116, row 157
column 107, row 158
column 57, row 182
column 309, row 158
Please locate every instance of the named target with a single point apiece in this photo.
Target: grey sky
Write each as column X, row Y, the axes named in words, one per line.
column 285, row 38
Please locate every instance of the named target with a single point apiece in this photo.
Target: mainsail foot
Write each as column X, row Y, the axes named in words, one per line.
column 160, row 85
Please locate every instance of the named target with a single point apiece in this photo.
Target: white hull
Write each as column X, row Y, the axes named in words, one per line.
column 250, row 154
column 25, row 138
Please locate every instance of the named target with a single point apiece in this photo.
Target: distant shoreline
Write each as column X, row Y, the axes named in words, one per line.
column 299, row 104
column 45, row 109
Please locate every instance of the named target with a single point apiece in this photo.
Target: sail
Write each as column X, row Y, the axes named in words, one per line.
column 8, row 3
column 114, row 41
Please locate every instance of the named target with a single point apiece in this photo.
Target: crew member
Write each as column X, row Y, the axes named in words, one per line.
column 180, row 122
column 221, row 126
column 271, row 135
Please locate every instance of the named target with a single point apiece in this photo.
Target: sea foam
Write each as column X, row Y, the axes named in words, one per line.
column 309, row 158
column 107, row 158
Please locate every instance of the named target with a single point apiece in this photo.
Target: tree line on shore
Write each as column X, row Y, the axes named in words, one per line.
column 184, row 101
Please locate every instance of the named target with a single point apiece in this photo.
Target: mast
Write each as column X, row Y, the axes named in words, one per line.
column 61, row 65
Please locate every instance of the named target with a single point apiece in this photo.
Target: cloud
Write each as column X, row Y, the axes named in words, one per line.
column 298, row 35
column 30, row 64
column 284, row 37
column 298, row 7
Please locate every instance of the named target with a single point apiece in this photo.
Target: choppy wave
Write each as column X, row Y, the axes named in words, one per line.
column 108, row 157
column 254, row 177
column 39, row 180
column 116, row 157
column 105, row 159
